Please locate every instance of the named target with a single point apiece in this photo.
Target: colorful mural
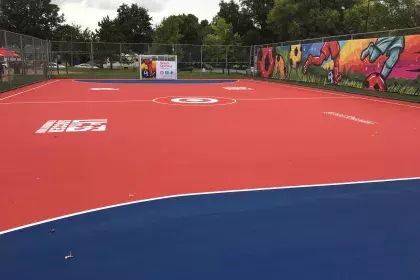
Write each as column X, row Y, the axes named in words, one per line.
column 382, row 64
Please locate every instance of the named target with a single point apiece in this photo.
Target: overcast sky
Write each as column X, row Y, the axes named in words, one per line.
column 87, row 13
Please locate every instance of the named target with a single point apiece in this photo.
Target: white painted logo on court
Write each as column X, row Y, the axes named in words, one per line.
column 352, row 118
column 104, row 89
column 237, row 88
column 59, row 126
column 200, row 101
column 195, row 100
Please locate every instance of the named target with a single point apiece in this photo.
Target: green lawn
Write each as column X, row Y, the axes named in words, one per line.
column 19, row 81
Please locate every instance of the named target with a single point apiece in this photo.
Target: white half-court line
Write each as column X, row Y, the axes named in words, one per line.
column 21, row 92
column 354, row 95
column 292, row 98
column 75, row 101
column 347, row 117
column 206, row 193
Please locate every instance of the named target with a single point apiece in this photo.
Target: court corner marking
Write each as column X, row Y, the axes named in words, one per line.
column 203, row 193
column 21, row 92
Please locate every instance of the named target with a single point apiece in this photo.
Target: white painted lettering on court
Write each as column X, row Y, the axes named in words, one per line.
column 352, row 118
column 60, row 126
column 237, row 88
column 46, row 126
column 87, row 125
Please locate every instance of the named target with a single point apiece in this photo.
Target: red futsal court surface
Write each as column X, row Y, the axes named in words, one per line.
column 69, row 146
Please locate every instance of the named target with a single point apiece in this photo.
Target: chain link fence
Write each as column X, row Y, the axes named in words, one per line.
column 105, row 59
column 354, row 36
column 23, row 60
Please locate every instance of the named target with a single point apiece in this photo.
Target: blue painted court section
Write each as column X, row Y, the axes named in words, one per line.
column 363, row 231
column 176, row 82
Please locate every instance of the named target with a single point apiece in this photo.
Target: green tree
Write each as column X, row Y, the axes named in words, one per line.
column 216, row 49
column 135, row 23
column 167, row 34
column 168, row 31
column 189, row 29
column 322, row 18
column 257, row 11
column 74, row 33
column 283, row 20
column 354, row 19
column 205, row 29
column 232, row 13
column 393, row 14
column 109, row 31
column 38, row 18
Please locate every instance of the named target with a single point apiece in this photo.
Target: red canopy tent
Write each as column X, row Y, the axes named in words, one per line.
column 7, row 53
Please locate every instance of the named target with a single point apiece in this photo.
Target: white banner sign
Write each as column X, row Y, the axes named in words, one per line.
column 166, row 70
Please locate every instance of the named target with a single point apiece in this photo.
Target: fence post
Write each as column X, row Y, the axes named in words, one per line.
column 42, row 55
column 22, row 56
column 7, row 59
column 34, row 54
column 47, row 70
column 121, row 56
column 91, row 54
column 226, row 62
column 250, row 55
column 201, row 56
column 253, row 70
column 71, row 52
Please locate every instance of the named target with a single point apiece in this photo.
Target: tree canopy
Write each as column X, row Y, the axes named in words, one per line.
column 37, row 18
column 249, row 22
column 133, row 24
column 66, row 32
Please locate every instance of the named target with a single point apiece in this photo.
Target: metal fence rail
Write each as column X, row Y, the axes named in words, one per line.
column 24, row 60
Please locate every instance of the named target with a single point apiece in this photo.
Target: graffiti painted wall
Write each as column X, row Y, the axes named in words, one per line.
column 382, row 64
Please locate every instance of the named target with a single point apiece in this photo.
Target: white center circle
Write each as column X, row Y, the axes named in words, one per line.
column 195, row 100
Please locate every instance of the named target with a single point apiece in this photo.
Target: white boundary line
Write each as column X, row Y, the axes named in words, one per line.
column 388, row 102
column 357, row 96
column 299, row 87
column 75, row 101
column 293, row 98
column 205, row 193
column 155, row 101
column 19, row 93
